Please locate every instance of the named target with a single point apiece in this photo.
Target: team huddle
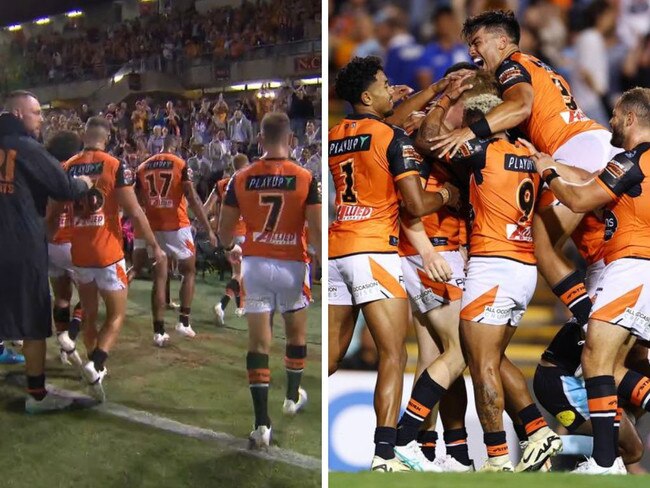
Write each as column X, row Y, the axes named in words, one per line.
column 447, row 207
column 265, row 208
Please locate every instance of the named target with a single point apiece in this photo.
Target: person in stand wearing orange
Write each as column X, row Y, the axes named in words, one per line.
column 213, row 203
column 371, row 162
column 97, row 253
column 63, row 145
column 538, row 101
column 276, row 197
column 164, row 186
column 621, row 308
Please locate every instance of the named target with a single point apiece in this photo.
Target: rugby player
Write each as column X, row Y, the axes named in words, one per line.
column 97, row 253
column 276, row 198
column 213, row 206
column 538, row 101
column 371, row 161
column 621, row 307
column 164, row 187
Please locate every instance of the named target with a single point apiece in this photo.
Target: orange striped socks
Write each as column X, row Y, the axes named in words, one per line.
column 294, row 363
column 426, row 393
column 532, row 419
column 571, row 290
column 635, row 388
column 496, row 444
column 259, row 377
column 456, row 444
column 601, row 395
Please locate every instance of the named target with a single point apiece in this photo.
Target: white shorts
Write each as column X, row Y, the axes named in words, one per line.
column 363, row 278
column 426, row 294
column 590, row 150
column 59, row 260
column 623, row 296
column 274, row 284
column 497, row 290
column 178, row 244
column 592, row 278
column 110, row 278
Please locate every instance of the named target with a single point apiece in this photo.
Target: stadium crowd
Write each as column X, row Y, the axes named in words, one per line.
column 165, row 41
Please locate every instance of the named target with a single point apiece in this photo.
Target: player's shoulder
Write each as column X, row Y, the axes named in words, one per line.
column 638, row 154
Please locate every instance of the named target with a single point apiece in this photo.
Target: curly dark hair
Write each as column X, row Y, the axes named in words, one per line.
column 493, row 20
column 64, row 144
column 356, row 77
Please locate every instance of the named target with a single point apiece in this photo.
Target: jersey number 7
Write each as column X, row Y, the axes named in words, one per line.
column 275, row 202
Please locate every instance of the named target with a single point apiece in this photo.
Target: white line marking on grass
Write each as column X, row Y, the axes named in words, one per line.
column 161, row 423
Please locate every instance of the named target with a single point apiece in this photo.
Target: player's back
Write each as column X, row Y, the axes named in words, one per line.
column 555, row 116
column 97, row 232
column 627, row 219
column 503, row 189
column 272, row 196
column 366, row 158
column 160, row 185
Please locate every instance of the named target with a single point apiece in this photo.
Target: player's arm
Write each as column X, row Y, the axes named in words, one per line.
column 229, row 216
column 195, row 204
column 313, row 216
column 517, row 94
column 435, row 266
column 52, row 214
column 210, row 207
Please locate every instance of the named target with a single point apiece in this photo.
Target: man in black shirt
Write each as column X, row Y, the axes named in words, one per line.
column 28, row 177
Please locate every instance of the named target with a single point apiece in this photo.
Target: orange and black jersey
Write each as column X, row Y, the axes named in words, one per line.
column 272, row 196
column 367, row 157
column 220, row 187
column 159, row 182
column 96, row 228
column 503, row 189
column 627, row 217
column 555, row 116
column 589, row 237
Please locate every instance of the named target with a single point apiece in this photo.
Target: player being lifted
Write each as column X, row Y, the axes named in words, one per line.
column 537, row 100
column 276, row 197
column 97, row 253
column 164, row 187
column 371, row 161
column 213, row 206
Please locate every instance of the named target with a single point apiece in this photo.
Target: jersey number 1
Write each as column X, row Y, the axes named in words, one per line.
column 348, row 195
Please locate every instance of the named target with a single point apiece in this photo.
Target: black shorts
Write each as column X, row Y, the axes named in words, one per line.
column 562, row 395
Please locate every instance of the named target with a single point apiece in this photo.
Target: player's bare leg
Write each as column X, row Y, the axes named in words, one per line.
column 62, row 289
column 295, row 324
column 552, row 227
column 88, row 294
column 606, row 344
column 233, row 291
column 187, row 268
column 340, row 326
column 259, row 375
column 140, row 260
column 387, row 322
column 159, row 305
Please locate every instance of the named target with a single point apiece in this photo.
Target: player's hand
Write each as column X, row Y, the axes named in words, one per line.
column 456, row 88
column 451, row 142
column 413, row 122
column 159, row 257
column 454, row 195
column 234, row 255
column 213, row 239
column 460, row 74
column 400, row 92
column 86, row 180
column 542, row 160
column 436, row 267
column 464, row 254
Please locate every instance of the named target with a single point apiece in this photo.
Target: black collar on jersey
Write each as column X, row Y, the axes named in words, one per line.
column 12, row 125
column 356, row 116
column 641, row 148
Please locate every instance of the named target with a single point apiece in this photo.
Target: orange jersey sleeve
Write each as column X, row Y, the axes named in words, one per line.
column 96, row 229
column 366, row 158
column 272, row 196
column 160, row 181
column 627, row 217
column 503, row 189
column 589, row 238
column 555, row 116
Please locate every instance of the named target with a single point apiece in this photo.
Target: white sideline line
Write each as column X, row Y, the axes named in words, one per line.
column 161, row 423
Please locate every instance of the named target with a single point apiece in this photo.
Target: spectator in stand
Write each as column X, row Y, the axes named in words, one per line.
column 312, row 133
column 156, row 140
column 86, row 113
column 139, row 117
column 301, row 109
column 240, row 131
column 202, row 168
column 220, row 114
column 219, row 154
column 172, row 119
column 636, row 69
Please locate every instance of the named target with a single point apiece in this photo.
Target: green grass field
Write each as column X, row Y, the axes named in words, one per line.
column 483, row 480
column 201, row 382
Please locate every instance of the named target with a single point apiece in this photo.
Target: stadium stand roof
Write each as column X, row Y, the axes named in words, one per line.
column 16, row 12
